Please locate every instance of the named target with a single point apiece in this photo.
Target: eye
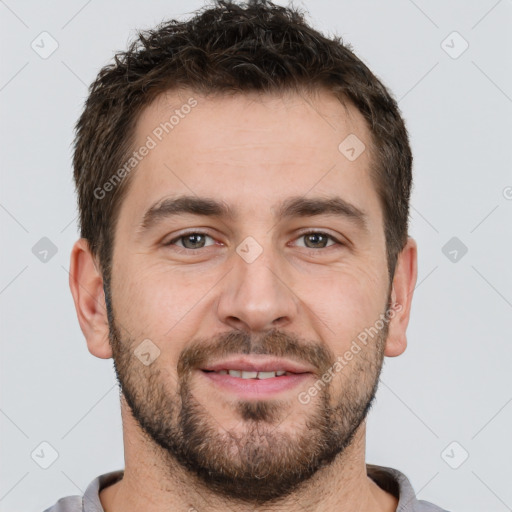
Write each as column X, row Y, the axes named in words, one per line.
column 196, row 240
column 192, row 240
column 317, row 239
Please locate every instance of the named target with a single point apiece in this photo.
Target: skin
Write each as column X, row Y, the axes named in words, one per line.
column 262, row 149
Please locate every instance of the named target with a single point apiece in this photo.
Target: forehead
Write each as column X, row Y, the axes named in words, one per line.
column 251, row 151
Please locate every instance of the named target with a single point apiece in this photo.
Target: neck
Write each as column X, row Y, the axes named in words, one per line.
column 150, row 484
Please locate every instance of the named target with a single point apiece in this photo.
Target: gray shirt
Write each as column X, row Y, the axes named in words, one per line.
column 389, row 479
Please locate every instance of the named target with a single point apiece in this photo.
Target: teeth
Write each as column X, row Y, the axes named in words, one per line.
column 253, row 375
column 248, row 375
column 266, row 375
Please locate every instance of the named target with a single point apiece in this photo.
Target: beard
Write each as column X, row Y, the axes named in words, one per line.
column 258, row 464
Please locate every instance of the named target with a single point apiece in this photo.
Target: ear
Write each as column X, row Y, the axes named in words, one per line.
column 86, row 283
column 404, row 281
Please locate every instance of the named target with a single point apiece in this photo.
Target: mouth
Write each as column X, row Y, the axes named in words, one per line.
column 257, row 366
column 255, row 384
column 242, row 374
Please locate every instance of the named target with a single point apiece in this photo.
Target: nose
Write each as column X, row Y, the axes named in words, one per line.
column 255, row 296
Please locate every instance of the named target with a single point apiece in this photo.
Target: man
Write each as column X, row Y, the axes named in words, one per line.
column 243, row 185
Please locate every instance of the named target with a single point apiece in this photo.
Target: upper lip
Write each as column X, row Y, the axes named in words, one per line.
column 253, row 364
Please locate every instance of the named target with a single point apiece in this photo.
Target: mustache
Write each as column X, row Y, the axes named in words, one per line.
column 272, row 343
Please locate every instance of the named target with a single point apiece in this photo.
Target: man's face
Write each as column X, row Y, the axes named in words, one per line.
column 257, row 285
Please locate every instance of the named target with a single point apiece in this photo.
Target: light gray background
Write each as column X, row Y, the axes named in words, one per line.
column 453, row 382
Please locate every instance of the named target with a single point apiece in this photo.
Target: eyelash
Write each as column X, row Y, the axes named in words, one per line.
column 186, row 249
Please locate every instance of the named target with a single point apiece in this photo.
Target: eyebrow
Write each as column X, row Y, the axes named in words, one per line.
column 296, row 206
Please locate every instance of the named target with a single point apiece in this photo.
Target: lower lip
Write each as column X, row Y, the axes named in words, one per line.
column 256, row 388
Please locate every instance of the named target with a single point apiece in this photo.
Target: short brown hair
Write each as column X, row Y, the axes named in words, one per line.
column 231, row 48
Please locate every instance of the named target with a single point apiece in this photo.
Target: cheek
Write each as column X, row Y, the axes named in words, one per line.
column 158, row 301
column 350, row 302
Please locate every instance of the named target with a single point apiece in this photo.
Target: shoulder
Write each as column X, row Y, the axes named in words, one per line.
column 67, row 504
column 90, row 501
column 394, row 481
